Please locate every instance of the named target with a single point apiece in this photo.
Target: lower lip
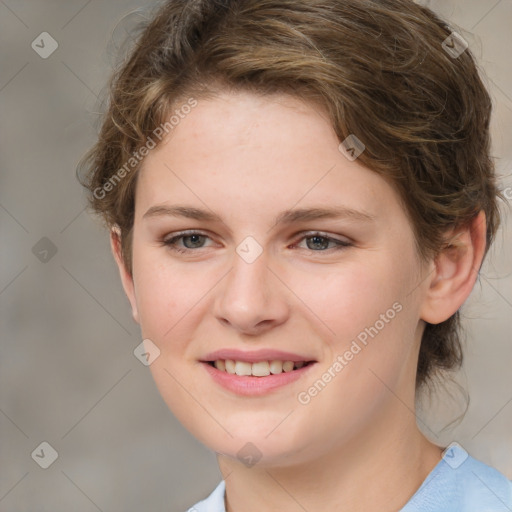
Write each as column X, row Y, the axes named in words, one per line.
column 254, row 386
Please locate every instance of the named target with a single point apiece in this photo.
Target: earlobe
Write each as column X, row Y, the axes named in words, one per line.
column 126, row 277
column 455, row 271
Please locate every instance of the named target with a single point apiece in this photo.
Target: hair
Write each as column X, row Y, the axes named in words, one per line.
column 378, row 68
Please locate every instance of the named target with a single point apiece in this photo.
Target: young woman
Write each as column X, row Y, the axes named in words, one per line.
column 300, row 197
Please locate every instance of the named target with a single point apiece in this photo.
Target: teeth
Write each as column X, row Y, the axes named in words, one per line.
column 220, row 365
column 259, row 369
column 230, row 366
column 276, row 367
column 242, row 368
column 287, row 366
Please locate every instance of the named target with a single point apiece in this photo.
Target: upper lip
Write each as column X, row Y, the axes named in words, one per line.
column 255, row 356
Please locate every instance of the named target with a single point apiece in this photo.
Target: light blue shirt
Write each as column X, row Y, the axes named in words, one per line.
column 458, row 483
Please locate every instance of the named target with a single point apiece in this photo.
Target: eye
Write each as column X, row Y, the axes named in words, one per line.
column 321, row 241
column 194, row 240
column 195, row 237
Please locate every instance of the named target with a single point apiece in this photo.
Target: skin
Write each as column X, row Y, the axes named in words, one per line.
column 247, row 158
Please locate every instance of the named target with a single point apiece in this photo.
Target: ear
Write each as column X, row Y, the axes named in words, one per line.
column 126, row 277
column 455, row 271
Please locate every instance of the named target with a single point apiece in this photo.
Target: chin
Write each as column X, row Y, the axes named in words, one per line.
column 255, row 447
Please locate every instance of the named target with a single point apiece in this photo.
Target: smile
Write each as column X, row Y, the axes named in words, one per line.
column 257, row 369
column 256, row 378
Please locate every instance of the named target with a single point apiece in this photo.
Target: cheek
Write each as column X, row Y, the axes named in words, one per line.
column 163, row 295
column 352, row 297
column 173, row 300
column 169, row 300
column 342, row 302
column 371, row 317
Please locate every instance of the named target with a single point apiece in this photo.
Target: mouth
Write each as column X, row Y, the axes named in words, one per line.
column 257, row 377
column 259, row 369
column 255, row 372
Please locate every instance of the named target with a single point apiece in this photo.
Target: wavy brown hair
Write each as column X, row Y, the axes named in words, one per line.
column 376, row 67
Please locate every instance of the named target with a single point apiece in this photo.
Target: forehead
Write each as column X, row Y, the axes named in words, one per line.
column 261, row 152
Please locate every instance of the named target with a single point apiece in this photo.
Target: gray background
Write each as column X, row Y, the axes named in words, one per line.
column 68, row 373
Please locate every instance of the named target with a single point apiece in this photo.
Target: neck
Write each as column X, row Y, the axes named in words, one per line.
column 384, row 465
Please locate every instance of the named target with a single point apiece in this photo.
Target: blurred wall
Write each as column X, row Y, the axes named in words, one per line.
column 68, row 373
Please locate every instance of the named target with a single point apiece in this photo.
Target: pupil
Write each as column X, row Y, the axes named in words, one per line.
column 194, row 237
column 316, row 238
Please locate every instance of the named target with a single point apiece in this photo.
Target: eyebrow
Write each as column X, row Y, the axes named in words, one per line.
column 285, row 217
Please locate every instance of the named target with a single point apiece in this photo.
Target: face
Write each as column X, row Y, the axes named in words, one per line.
column 253, row 280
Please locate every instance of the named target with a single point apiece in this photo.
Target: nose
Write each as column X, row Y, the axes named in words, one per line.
column 252, row 298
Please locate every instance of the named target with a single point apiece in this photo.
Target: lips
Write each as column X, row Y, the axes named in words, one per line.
column 256, row 372
column 255, row 356
column 261, row 363
column 260, row 380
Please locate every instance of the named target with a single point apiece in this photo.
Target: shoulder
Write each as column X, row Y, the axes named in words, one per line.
column 458, row 483
column 462, row 483
column 484, row 487
column 213, row 503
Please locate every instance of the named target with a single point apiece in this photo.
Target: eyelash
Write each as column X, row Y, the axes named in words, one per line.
column 171, row 242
